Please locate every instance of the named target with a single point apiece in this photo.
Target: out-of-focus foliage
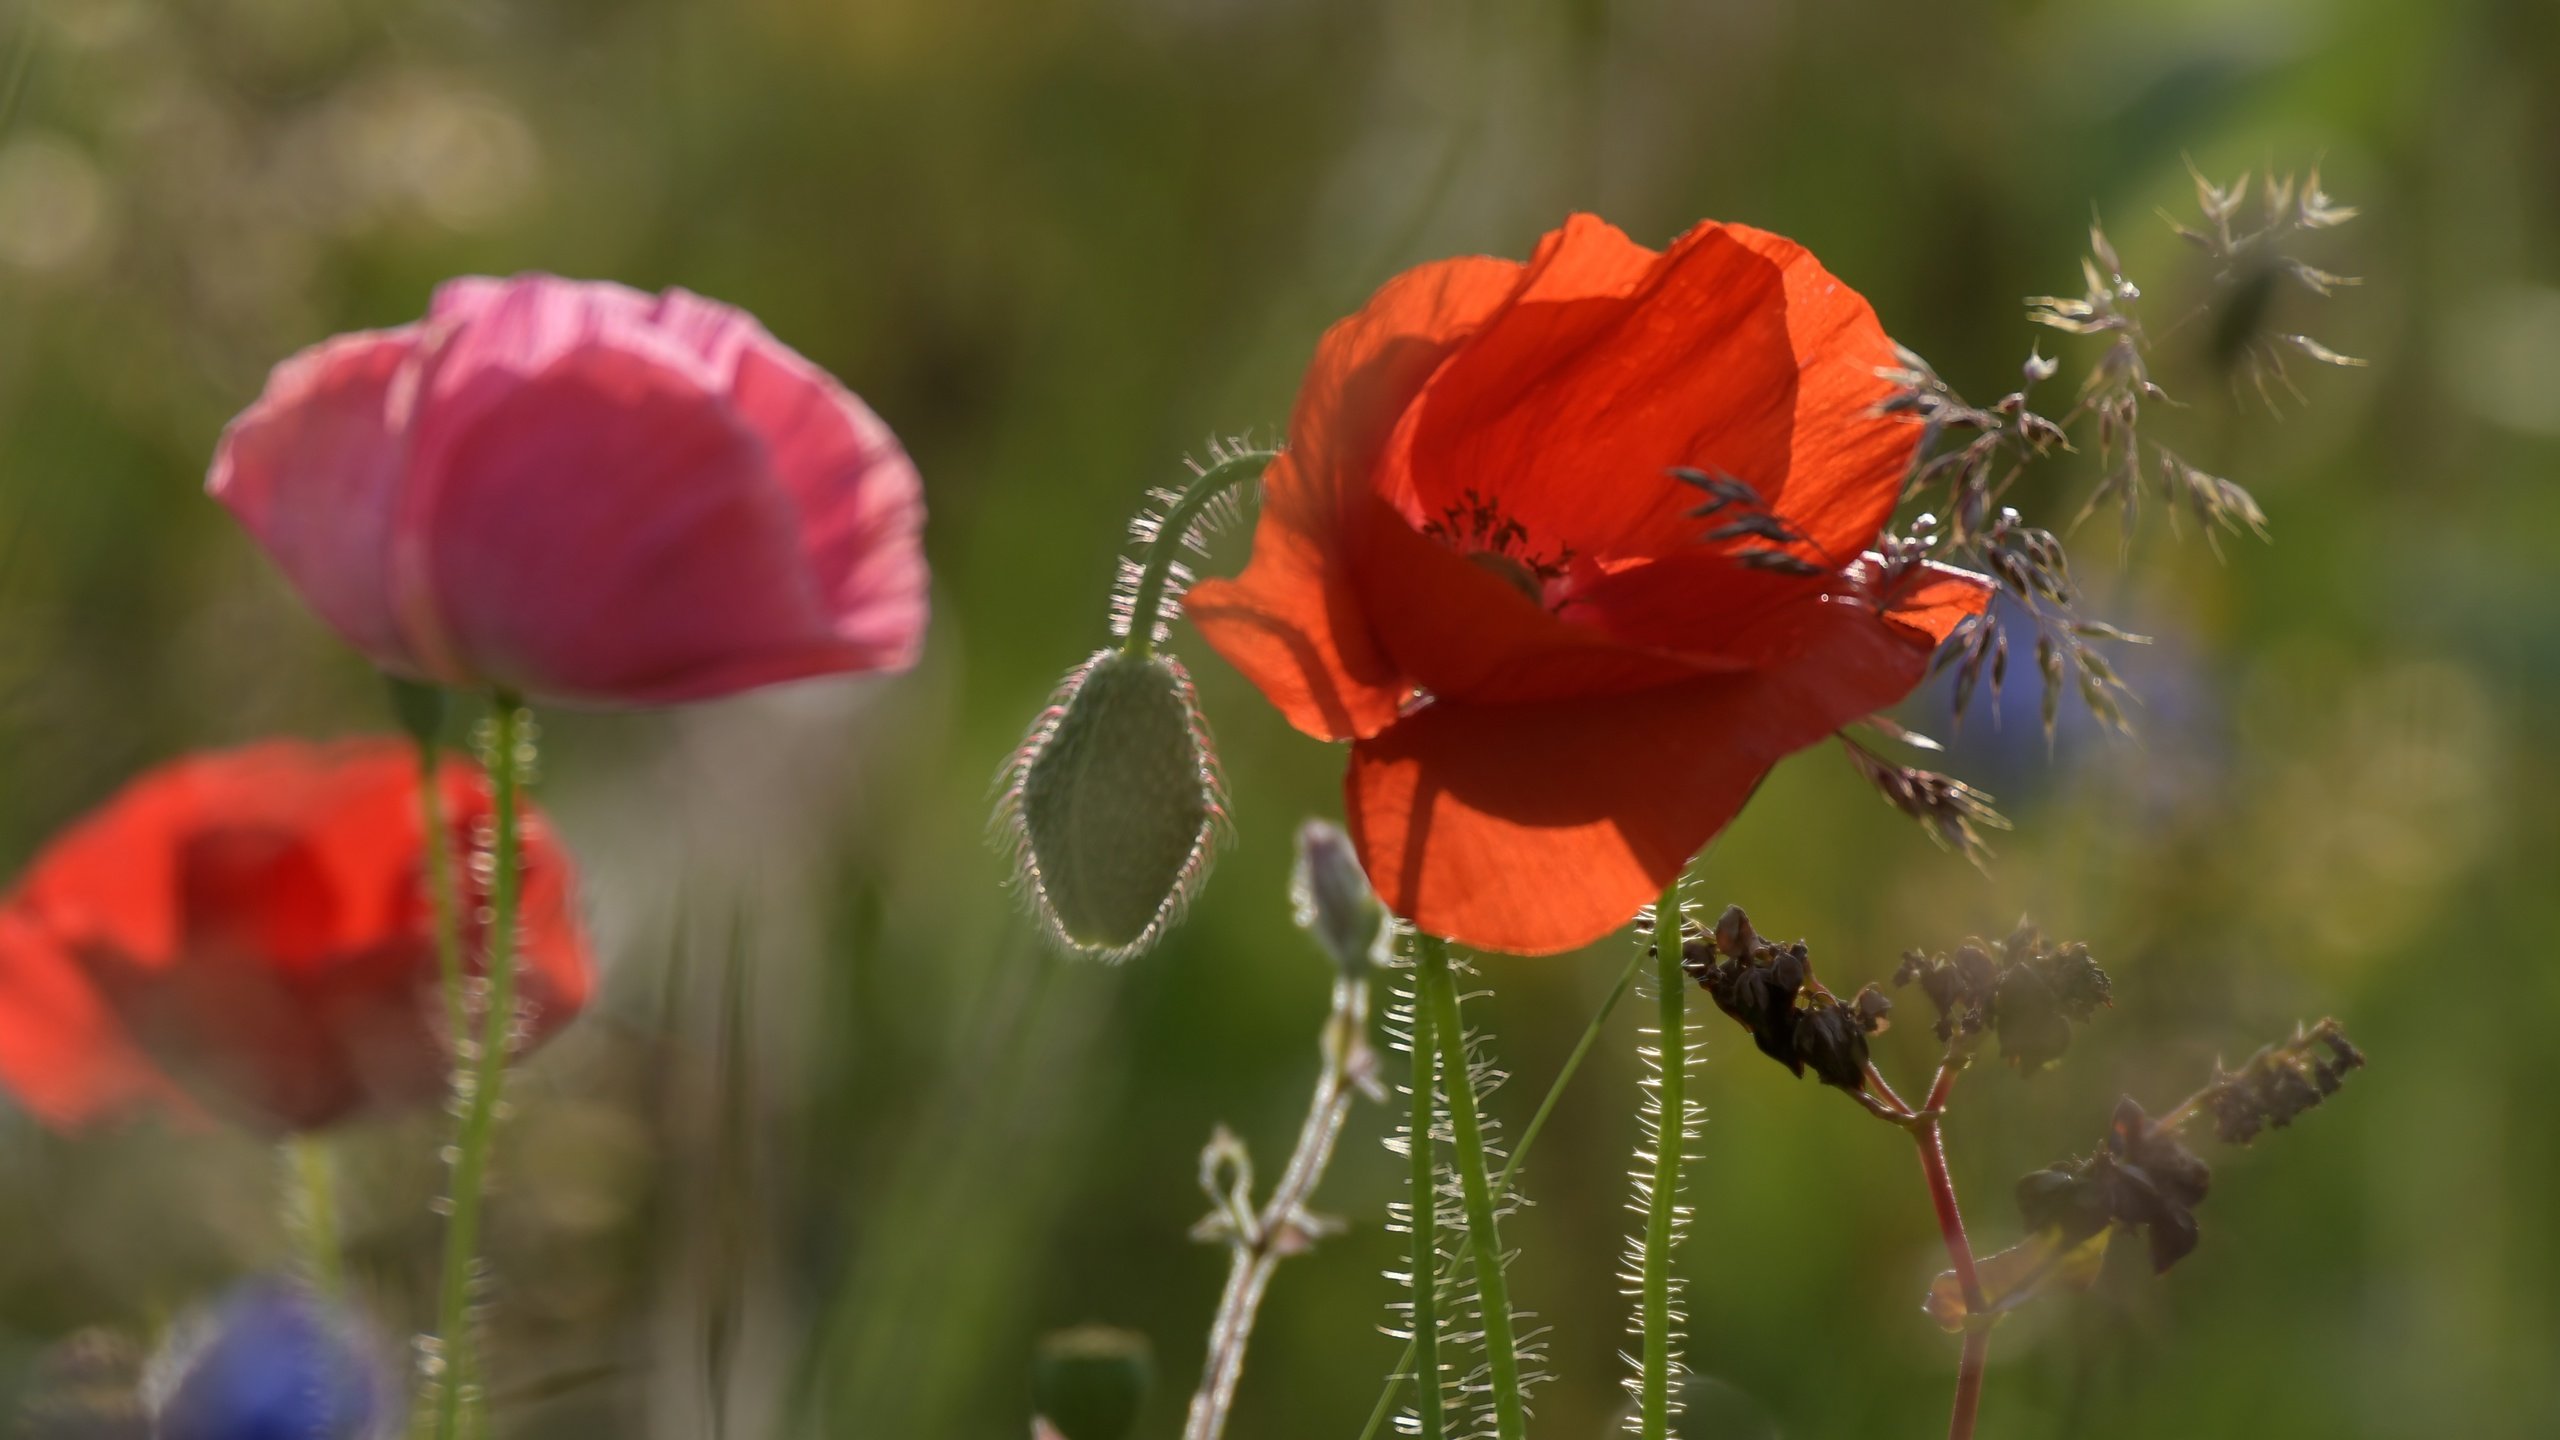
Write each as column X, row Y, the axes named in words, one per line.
column 843, row 1139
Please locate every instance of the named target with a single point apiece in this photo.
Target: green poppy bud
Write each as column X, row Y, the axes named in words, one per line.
column 1113, row 804
column 1089, row 1383
column 1333, row 899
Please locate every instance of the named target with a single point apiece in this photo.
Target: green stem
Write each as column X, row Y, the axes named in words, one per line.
column 1484, row 1239
column 1510, row 1167
column 479, row 1084
column 313, row 1177
column 1203, row 491
column 440, row 890
column 1422, row 1355
column 1661, row 1224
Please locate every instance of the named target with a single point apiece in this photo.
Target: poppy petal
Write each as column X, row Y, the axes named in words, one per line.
column 1293, row 622
column 63, row 1051
column 605, row 530
column 1536, row 828
column 312, row 469
column 1463, row 632
column 1849, row 460
column 1570, row 408
column 861, row 502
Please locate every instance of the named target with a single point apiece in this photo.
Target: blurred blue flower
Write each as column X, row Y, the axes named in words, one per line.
column 272, row 1362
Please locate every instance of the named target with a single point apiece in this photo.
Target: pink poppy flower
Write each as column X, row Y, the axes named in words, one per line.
column 579, row 492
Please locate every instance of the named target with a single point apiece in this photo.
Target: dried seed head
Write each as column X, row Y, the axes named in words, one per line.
column 1112, row 804
column 1770, row 990
column 1333, row 899
column 2280, row 1082
column 1090, row 1383
column 2143, row 1178
column 2026, row 989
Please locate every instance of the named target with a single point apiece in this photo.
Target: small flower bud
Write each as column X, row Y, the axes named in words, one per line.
column 1333, row 900
column 1090, row 1383
column 1734, row 935
column 1829, row 1043
column 1113, row 802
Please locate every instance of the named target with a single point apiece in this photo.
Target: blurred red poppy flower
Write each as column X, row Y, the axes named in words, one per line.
column 580, row 492
column 1475, row 563
column 249, row 933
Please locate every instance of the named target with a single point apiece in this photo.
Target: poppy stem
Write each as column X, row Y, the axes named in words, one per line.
column 1511, row 1166
column 1422, row 1356
column 311, row 1212
column 1662, row 1225
column 479, row 1081
column 1438, row 984
column 1204, row 490
column 447, row 907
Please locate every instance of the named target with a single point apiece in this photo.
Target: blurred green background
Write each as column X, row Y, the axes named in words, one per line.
column 1061, row 244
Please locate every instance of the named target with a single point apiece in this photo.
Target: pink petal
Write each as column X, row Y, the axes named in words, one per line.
column 605, row 530
column 313, row 470
column 861, row 503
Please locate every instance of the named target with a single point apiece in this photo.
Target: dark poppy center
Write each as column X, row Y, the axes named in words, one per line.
column 1478, row 528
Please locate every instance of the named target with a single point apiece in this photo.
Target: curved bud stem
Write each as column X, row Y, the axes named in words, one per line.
column 1204, row 490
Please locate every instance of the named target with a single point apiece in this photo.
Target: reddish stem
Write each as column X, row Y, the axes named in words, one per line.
column 1942, row 1190
column 1977, row 1344
column 1942, row 1195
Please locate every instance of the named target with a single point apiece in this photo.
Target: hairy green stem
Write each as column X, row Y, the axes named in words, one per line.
column 1661, row 1224
column 1199, row 495
column 1510, row 1167
column 1439, row 985
column 447, row 907
column 482, row 1074
column 1422, row 1355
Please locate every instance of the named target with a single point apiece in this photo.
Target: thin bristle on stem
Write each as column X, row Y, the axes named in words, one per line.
column 1662, row 1197
column 1437, row 989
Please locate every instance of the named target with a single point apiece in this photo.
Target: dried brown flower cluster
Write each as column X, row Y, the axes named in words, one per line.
column 2279, row 1082
column 2026, row 990
column 1971, row 456
column 2142, row 1178
column 1952, row 813
column 1770, row 990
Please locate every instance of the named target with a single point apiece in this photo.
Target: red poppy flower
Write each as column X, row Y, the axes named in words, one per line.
column 580, row 492
column 249, row 932
column 1474, row 563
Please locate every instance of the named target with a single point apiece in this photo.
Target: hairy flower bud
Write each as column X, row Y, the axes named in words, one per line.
column 1333, row 899
column 1112, row 803
column 1090, row 1383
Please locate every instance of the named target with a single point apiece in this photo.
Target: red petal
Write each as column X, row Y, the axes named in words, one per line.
column 1733, row 351
column 1536, row 828
column 1293, row 622
column 1849, row 462
column 1614, row 365
column 1462, row 632
column 63, row 1052
column 252, row 925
